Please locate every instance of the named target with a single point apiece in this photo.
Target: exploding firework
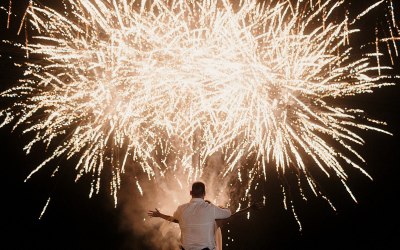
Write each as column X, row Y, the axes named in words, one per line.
column 160, row 87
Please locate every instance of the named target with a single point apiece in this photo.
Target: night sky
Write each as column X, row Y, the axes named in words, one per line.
column 73, row 221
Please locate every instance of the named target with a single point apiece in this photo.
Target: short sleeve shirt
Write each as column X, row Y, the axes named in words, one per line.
column 197, row 221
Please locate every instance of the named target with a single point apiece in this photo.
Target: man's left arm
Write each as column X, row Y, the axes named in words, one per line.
column 255, row 206
column 221, row 213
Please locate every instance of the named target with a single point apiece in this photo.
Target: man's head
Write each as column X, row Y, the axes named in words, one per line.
column 198, row 190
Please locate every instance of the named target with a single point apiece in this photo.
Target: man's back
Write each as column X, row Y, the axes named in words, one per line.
column 196, row 220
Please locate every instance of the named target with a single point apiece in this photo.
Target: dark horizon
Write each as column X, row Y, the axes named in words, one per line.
column 74, row 221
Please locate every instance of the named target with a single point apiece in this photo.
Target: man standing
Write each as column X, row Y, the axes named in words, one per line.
column 196, row 220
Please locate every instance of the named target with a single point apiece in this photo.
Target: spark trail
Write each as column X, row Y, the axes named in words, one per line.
column 159, row 87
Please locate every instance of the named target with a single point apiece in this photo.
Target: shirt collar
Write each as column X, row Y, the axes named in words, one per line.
column 196, row 200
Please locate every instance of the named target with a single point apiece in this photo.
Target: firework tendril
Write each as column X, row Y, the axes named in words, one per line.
column 157, row 84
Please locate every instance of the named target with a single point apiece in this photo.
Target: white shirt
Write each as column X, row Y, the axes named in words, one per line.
column 197, row 220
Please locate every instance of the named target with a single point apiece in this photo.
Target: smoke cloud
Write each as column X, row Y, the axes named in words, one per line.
column 166, row 194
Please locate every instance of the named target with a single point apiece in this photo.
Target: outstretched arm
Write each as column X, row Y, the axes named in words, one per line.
column 157, row 213
column 256, row 206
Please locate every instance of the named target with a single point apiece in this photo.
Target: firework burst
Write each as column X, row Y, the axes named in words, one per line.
column 165, row 85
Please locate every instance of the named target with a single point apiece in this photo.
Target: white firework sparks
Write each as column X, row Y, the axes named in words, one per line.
column 165, row 85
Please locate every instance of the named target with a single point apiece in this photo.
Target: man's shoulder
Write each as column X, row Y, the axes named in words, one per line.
column 179, row 209
column 183, row 205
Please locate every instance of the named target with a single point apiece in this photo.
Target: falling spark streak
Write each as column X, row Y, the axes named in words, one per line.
column 9, row 14
column 44, row 208
column 133, row 83
column 394, row 33
column 367, row 10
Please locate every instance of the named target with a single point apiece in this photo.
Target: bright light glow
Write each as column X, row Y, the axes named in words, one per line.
column 162, row 86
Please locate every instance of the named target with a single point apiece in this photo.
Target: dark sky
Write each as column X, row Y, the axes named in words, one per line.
column 73, row 221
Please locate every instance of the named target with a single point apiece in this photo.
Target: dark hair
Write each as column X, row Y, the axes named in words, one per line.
column 198, row 189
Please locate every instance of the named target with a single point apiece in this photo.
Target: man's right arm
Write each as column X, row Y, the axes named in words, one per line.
column 157, row 213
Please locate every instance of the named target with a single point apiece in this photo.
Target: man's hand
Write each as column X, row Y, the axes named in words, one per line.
column 155, row 213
